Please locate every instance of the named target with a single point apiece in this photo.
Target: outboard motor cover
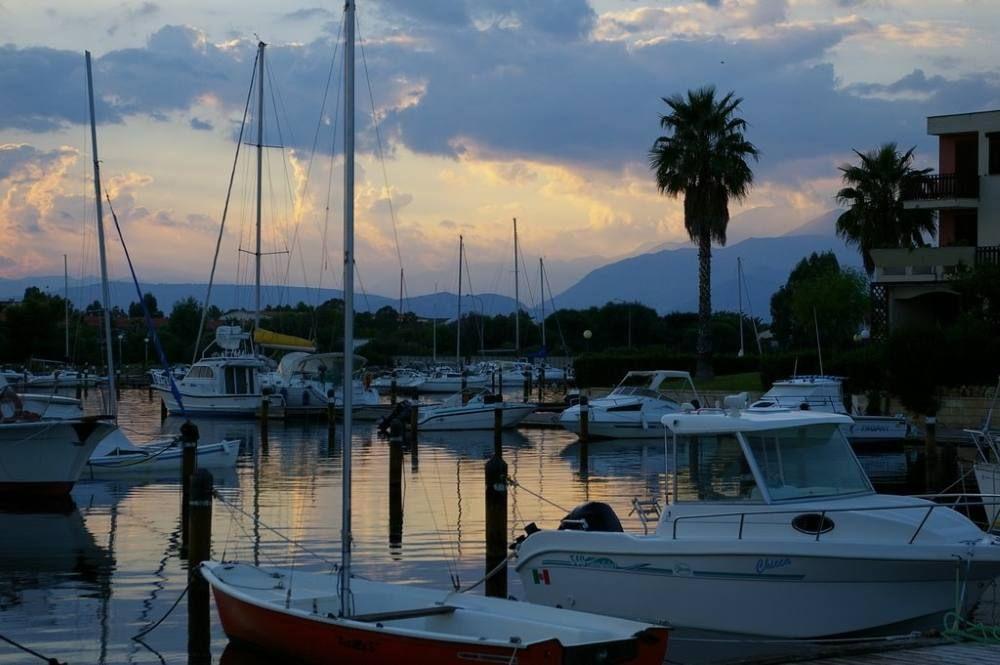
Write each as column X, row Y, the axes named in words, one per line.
column 592, row 516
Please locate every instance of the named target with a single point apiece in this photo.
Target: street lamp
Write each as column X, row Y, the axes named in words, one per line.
column 145, row 357
column 121, row 358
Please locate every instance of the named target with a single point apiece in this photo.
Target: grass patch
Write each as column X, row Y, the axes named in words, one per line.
column 749, row 381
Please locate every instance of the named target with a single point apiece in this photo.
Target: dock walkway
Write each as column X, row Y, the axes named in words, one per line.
column 968, row 653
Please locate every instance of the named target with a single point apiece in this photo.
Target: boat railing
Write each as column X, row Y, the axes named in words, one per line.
column 796, row 401
column 957, row 501
column 986, row 445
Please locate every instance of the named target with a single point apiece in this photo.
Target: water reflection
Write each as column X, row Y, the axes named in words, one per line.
column 81, row 582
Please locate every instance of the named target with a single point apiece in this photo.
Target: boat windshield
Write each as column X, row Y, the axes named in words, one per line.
column 712, row 467
column 806, row 462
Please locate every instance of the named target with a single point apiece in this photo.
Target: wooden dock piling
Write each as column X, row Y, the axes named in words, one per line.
column 199, row 549
column 331, row 423
column 584, row 435
column 496, row 515
column 189, row 462
column 395, row 494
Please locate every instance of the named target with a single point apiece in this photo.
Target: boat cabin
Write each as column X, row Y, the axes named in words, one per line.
column 745, row 457
column 667, row 385
column 819, row 393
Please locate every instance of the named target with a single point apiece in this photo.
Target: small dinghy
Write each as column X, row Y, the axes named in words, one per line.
column 117, row 457
column 297, row 614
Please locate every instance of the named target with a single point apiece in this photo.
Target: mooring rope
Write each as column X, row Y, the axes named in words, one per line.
column 29, row 650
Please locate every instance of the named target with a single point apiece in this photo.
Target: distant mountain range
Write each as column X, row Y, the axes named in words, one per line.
column 667, row 279
column 663, row 276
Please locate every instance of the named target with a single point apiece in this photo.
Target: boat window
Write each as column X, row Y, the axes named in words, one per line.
column 230, row 380
column 806, row 462
column 200, row 373
column 713, row 468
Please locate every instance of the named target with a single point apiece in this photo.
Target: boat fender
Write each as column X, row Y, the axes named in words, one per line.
column 592, row 516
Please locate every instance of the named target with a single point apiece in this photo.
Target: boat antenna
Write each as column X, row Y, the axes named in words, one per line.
column 819, row 347
column 105, row 291
column 347, row 386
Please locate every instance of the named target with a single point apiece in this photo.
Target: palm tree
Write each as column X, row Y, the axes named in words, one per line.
column 704, row 157
column 875, row 217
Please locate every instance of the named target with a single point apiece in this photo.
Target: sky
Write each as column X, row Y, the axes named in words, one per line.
column 486, row 110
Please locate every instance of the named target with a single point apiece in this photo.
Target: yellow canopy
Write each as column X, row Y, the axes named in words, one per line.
column 273, row 340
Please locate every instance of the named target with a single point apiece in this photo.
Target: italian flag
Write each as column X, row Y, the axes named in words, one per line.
column 541, row 576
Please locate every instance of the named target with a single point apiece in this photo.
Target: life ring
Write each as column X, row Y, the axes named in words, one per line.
column 11, row 406
column 367, row 380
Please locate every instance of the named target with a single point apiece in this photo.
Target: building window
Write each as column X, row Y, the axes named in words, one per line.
column 994, row 141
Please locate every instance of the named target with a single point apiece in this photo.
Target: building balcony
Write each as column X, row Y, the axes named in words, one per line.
column 923, row 264
column 943, row 190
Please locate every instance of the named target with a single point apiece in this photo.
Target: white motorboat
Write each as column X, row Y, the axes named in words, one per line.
column 227, row 382
column 308, row 382
column 117, row 457
column 448, row 380
column 406, row 380
column 987, row 467
column 826, row 393
column 476, row 413
column 634, row 408
column 772, row 530
column 65, row 378
column 551, row 374
column 338, row 618
column 45, row 457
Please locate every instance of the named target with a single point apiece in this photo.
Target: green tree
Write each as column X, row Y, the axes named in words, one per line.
column 135, row 309
column 873, row 193
column 704, row 157
column 783, row 323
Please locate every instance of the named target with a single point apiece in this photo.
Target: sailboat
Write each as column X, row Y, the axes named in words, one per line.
column 331, row 618
column 114, row 455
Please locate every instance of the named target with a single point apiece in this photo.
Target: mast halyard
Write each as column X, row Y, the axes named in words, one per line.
column 458, row 324
column 739, row 286
column 105, row 290
column 260, row 151
column 517, row 299
column 344, row 581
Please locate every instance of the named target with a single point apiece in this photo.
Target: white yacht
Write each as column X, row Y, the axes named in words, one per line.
column 406, row 379
column 826, row 393
column 634, row 408
column 772, row 530
column 449, row 380
column 308, row 382
column 476, row 413
column 225, row 382
column 46, row 406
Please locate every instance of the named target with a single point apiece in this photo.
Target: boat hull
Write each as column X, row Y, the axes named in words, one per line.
column 239, row 406
column 806, row 596
column 443, row 419
column 321, row 638
column 46, row 458
column 451, row 384
column 164, row 463
column 616, row 429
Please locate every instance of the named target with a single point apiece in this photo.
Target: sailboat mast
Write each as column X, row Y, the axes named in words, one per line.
column 105, row 291
column 739, row 286
column 400, row 294
column 66, row 300
column 347, row 388
column 517, row 299
column 541, row 286
column 260, row 159
column 458, row 325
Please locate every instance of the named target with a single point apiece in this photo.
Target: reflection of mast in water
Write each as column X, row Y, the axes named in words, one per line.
column 258, row 459
column 105, row 589
column 458, row 492
column 395, row 499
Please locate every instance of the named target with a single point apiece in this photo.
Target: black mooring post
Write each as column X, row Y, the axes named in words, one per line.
column 199, row 549
column 189, row 462
column 395, row 496
column 331, row 423
column 496, row 522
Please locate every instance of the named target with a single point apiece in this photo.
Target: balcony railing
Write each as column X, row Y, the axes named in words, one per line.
column 943, row 186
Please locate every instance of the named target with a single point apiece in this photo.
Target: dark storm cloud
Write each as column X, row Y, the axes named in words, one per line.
column 510, row 87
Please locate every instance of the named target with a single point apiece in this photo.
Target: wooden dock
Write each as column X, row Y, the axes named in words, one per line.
column 968, row 653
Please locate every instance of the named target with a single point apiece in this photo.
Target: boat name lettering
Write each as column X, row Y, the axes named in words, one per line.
column 764, row 565
column 584, row 561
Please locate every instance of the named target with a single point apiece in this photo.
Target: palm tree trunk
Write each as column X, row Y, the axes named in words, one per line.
column 704, row 347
